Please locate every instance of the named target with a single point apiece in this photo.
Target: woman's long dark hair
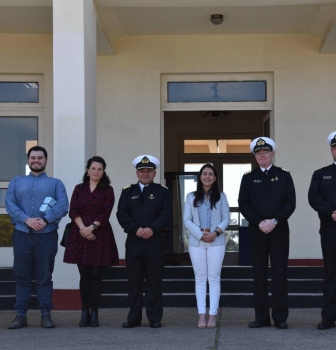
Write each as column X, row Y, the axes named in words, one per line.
column 105, row 180
column 214, row 191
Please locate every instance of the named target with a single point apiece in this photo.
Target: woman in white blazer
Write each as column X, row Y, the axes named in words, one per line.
column 206, row 216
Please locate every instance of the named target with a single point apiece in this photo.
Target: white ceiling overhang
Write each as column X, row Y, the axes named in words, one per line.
column 117, row 18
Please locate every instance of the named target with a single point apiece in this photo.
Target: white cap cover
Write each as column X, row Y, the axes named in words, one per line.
column 146, row 161
column 262, row 142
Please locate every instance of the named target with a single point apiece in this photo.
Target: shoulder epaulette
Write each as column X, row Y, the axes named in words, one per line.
column 124, row 188
column 285, row 170
column 247, row 172
column 164, row 186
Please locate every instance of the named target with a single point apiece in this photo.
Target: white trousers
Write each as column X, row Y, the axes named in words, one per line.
column 207, row 263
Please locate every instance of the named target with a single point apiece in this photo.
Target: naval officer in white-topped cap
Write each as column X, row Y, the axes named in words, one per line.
column 145, row 212
column 322, row 198
column 267, row 200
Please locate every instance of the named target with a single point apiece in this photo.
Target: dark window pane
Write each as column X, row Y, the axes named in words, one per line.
column 2, row 197
column 19, row 92
column 217, row 91
column 17, row 135
column 6, row 231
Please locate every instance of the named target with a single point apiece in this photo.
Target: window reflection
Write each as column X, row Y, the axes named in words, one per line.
column 6, row 231
column 232, row 244
column 217, row 91
column 17, row 135
column 14, row 92
column 2, row 197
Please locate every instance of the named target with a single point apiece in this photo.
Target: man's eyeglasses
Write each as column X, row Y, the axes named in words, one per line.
column 262, row 152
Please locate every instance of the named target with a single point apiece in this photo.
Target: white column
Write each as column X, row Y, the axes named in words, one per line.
column 74, row 68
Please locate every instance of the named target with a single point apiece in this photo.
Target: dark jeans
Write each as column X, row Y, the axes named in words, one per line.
column 274, row 245
column 328, row 244
column 34, row 252
column 145, row 260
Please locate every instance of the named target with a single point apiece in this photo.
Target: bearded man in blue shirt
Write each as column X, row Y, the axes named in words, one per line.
column 35, row 236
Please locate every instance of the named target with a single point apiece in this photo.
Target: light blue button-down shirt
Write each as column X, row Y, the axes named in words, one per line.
column 26, row 194
column 204, row 213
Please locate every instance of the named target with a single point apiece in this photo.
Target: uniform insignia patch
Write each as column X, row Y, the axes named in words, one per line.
column 145, row 160
column 285, row 170
column 257, row 181
column 260, row 142
column 135, row 197
column 151, row 196
column 327, row 177
column 247, row 172
column 164, row 186
column 124, row 188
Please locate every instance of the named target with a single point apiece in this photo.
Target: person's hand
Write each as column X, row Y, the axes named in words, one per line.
column 147, row 233
column 37, row 224
column 266, row 226
column 333, row 215
column 86, row 231
column 91, row 237
column 43, row 223
column 140, row 232
column 209, row 237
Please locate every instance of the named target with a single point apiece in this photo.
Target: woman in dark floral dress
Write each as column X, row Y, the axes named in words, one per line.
column 91, row 244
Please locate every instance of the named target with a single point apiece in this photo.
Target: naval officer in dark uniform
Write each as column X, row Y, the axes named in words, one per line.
column 267, row 200
column 145, row 212
column 322, row 198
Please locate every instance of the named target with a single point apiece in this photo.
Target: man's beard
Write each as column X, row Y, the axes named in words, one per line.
column 39, row 170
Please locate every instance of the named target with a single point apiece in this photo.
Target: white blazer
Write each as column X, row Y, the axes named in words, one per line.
column 220, row 217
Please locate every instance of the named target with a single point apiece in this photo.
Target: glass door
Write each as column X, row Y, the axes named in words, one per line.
column 180, row 184
column 232, row 174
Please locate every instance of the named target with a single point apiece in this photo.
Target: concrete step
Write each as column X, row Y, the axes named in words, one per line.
column 304, row 286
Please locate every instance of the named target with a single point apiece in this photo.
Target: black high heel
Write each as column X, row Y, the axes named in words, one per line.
column 94, row 322
column 85, row 319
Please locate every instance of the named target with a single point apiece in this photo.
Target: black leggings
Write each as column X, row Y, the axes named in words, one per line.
column 90, row 285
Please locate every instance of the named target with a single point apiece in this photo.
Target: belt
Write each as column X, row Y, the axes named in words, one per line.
column 205, row 229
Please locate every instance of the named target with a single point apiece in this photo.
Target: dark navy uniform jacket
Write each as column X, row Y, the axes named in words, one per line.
column 263, row 198
column 152, row 208
column 322, row 194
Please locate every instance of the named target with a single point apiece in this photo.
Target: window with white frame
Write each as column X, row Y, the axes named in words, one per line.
column 21, row 111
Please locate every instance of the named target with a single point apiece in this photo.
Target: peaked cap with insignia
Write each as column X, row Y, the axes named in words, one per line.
column 332, row 139
column 146, row 162
column 262, row 143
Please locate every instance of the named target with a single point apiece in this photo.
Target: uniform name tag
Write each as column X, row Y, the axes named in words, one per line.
column 258, row 181
column 135, row 197
column 327, row 177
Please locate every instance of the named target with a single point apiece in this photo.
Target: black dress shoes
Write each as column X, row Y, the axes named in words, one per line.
column 280, row 325
column 326, row 324
column 131, row 324
column 155, row 324
column 259, row 324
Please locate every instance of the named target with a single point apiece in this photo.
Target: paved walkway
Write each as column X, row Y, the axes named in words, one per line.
column 179, row 331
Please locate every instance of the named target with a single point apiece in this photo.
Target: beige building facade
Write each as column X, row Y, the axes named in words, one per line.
column 103, row 78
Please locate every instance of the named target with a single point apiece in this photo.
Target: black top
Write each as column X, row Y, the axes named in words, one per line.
column 268, row 196
column 322, row 194
column 152, row 208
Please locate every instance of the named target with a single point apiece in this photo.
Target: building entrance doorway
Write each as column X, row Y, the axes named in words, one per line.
column 191, row 140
